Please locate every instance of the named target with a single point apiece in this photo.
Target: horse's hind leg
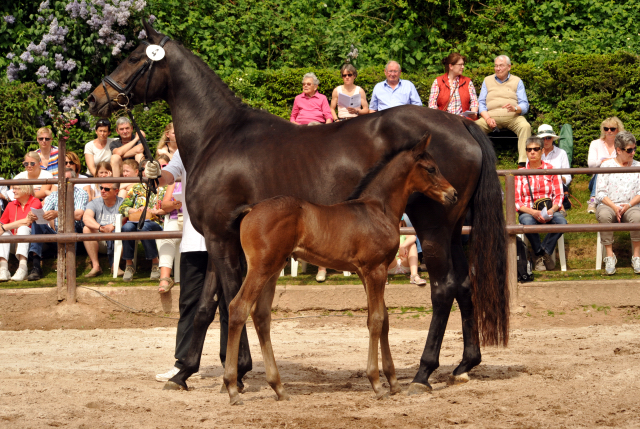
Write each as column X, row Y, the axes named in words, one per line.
column 387, row 361
column 374, row 282
column 262, row 320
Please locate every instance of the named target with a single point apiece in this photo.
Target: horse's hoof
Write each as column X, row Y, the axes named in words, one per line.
column 418, row 389
column 382, row 395
column 170, row 385
column 223, row 388
column 395, row 390
column 283, row 397
column 458, row 379
column 236, row 401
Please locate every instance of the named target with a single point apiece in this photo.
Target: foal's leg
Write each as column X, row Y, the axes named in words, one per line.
column 262, row 320
column 374, row 282
column 387, row 361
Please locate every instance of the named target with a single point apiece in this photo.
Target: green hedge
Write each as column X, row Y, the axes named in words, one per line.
column 580, row 90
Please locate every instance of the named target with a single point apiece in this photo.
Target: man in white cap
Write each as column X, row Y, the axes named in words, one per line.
column 552, row 154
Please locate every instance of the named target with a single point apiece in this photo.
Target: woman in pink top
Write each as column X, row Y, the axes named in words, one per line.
column 310, row 107
column 600, row 150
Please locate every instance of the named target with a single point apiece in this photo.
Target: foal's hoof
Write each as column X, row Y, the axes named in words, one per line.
column 418, row 389
column 223, row 388
column 382, row 395
column 236, row 401
column 458, row 379
column 170, row 385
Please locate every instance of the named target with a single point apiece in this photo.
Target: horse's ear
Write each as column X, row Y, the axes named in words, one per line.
column 419, row 149
column 151, row 33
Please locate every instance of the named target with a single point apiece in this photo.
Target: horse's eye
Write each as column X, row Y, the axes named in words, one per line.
column 431, row 170
column 134, row 59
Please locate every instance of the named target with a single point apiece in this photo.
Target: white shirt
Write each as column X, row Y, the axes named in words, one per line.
column 558, row 159
column 192, row 241
column 99, row 155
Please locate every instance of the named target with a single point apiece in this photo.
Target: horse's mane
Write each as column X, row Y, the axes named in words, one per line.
column 375, row 170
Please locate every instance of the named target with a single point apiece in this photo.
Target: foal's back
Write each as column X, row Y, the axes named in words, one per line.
column 342, row 236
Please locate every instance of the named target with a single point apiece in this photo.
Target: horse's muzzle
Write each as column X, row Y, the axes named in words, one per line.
column 451, row 197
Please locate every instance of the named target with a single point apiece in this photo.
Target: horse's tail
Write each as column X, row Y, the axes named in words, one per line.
column 488, row 268
column 236, row 217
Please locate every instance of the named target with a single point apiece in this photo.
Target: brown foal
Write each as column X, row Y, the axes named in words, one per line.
column 360, row 234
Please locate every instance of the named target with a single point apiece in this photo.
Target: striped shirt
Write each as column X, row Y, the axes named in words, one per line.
column 80, row 200
column 52, row 166
column 544, row 186
column 455, row 105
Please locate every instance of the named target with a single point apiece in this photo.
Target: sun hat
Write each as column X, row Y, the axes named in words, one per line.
column 545, row 130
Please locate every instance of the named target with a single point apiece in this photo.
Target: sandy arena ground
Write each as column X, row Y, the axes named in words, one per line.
column 573, row 368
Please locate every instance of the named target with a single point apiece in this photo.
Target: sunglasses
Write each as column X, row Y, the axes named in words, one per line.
column 533, row 149
column 547, row 138
column 612, row 129
column 630, row 150
column 103, row 123
column 103, row 188
column 69, row 163
column 163, row 165
column 29, row 164
column 45, row 139
column 347, row 75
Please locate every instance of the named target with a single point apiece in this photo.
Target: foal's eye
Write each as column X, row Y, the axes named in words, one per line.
column 431, row 170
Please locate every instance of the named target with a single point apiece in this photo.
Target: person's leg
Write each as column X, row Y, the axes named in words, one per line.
column 633, row 216
column 35, row 250
column 92, row 251
column 151, row 249
column 116, row 165
column 534, row 239
column 605, row 214
column 322, row 274
column 128, row 249
column 22, row 251
column 550, row 240
column 592, row 185
column 166, row 254
column 522, row 128
column 193, row 268
column 5, row 248
column 483, row 124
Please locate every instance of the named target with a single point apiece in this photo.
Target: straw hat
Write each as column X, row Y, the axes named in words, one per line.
column 545, row 130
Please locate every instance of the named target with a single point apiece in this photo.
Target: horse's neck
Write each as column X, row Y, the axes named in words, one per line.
column 201, row 104
column 389, row 190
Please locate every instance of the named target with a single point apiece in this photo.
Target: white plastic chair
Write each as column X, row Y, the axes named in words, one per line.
column 303, row 268
column 559, row 247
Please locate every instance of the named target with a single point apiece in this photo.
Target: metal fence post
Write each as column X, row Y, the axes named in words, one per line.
column 512, row 255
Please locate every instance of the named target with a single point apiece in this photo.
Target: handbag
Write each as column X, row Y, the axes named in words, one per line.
column 540, row 203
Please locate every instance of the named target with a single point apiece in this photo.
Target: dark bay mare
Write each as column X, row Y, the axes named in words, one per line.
column 360, row 234
column 236, row 156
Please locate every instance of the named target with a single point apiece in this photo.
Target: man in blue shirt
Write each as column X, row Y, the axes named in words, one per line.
column 503, row 101
column 393, row 91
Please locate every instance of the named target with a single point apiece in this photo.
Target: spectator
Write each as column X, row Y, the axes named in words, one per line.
column 97, row 151
column 132, row 208
column 601, row 150
column 503, row 102
column 103, row 170
column 530, row 189
column 48, row 154
column 617, row 196
column 349, row 74
column 33, row 171
column 552, row 154
column 50, row 207
column 72, row 160
column 406, row 260
column 4, row 196
column 125, row 146
column 100, row 216
column 167, row 144
column 167, row 247
column 15, row 220
column 453, row 92
column 393, row 91
column 310, row 107
column 129, row 169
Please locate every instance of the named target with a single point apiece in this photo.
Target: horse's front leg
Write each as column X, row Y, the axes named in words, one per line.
column 374, row 283
column 388, row 367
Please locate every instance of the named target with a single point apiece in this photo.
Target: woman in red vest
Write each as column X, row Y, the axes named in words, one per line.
column 453, row 92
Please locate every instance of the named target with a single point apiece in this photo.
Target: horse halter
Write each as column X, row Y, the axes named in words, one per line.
column 126, row 91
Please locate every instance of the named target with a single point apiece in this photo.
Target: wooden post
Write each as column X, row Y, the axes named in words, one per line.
column 62, row 216
column 512, row 254
column 70, row 247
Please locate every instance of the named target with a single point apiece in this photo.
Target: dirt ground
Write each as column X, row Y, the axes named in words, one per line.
column 570, row 368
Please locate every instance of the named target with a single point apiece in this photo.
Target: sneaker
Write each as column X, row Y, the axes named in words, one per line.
column 155, row 272
column 548, row 262
column 36, row 273
column 635, row 263
column 128, row 273
column 20, row 274
column 540, row 266
column 167, row 375
column 610, row 265
column 591, row 208
column 5, row 275
column 120, row 272
column 95, row 272
column 321, row 276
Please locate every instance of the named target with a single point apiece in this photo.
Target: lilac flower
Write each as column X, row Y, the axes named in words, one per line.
column 73, row 8
column 60, row 65
column 80, row 89
column 10, row 55
column 83, row 10
column 26, row 57
column 71, row 64
column 139, row 5
column 142, row 34
column 152, row 19
column 12, row 72
column 40, row 19
column 43, row 71
column 43, row 81
column 128, row 45
column 10, row 19
column 43, row 6
column 51, row 84
column 45, row 54
column 64, row 87
column 22, row 66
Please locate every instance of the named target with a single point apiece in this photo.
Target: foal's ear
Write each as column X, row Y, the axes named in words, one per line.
column 151, row 33
column 419, row 149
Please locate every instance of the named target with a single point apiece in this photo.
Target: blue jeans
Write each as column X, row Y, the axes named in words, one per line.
column 150, row 248
column 46, row 229
column 549, row 243
column 592, row 185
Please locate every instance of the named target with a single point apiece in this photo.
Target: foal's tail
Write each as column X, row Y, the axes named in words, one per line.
column 488, row 253
column 236, row 217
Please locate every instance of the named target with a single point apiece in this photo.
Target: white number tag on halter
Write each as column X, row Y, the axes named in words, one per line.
column 155, row 52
